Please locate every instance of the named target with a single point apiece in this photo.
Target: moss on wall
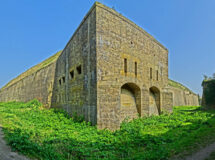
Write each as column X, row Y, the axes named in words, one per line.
column 208, row 99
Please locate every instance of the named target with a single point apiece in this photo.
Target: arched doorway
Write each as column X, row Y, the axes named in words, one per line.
column 154, row 101
column 130, row 101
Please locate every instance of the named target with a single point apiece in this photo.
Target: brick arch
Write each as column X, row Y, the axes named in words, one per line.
column 130, row 101
column 154, row 101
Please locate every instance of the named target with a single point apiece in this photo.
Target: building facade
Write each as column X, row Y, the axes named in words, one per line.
column 110, row 70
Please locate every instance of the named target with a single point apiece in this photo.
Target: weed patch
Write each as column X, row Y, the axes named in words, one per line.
column 51, row 134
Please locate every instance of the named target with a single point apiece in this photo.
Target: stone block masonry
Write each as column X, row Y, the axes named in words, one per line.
column 132, row 70
column 37, row 83
column 182, row 96
column 109, row 71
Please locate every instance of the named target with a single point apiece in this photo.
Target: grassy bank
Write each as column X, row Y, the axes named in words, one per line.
column 47, row 134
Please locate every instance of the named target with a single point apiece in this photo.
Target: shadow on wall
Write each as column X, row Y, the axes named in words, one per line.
column 208, row 96
column 154, row 101
column 130, row 101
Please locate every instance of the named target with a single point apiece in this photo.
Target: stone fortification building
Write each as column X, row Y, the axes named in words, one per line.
column 182, row 96
column 109, row 70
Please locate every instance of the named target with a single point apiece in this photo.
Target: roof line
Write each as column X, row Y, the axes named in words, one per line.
column 130, row 22
column 83, row 20
column 118, row 15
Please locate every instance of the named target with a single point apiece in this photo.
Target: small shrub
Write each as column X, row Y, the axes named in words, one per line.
column 78, row 118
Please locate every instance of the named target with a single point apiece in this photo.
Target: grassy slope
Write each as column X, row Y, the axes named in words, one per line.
column 46, row 134
column 34, row 69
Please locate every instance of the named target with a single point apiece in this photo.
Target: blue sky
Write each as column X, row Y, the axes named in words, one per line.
column 33, row 30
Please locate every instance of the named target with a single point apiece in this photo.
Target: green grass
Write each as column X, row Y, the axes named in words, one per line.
column 49, row 134
column 208, row 80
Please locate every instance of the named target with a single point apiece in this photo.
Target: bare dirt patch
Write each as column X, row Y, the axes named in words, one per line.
column 203, row 153
column 5, row 151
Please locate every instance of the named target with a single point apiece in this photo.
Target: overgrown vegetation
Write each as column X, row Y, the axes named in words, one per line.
column 50, row 134
column 206, row 78
column 209, row 92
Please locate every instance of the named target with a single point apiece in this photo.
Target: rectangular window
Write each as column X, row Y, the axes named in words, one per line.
column 135, row 69
column 125, row 65
column 79, row 69
column 72, row 74
column 157, row 75
column 63, row 79
column 60, row 81
column 150, row 73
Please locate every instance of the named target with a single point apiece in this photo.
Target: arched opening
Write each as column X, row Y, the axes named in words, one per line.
column 154, row 101
column 130, row 101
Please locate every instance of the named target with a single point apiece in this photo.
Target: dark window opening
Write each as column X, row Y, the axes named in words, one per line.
column 64, row 79
column 135, row 69
column 150, row 73
column 72, row 74
column 60, row 81
column 125, row 65
column 79, row 69
column 157, row 75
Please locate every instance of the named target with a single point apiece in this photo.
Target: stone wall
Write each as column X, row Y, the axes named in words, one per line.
column 183, row 96
column 37, row 85
column 130, row 63
column 75, row 75
column 110, row 70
